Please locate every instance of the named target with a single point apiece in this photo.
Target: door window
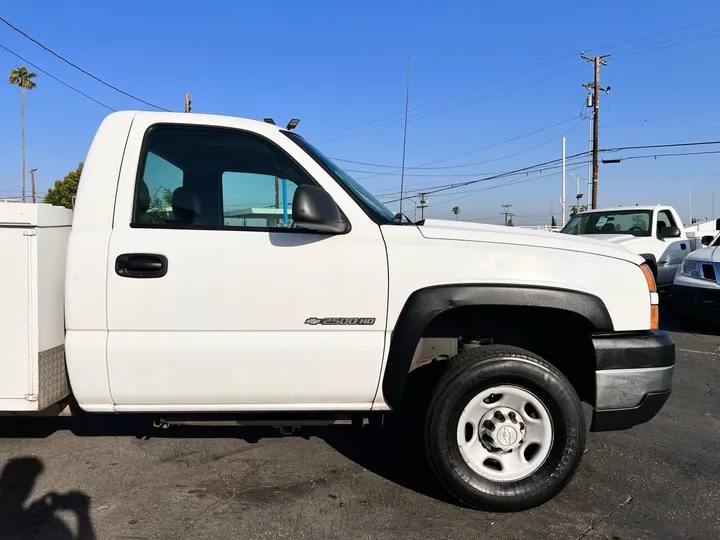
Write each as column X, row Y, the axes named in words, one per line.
column 198, row 177
column 665, row 219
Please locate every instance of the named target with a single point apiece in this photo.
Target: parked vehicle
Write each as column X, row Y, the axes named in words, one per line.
column 696, row 288
column 653, row 232
column 171, row 296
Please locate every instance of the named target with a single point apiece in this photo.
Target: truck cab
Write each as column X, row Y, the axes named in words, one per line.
column 654, row 232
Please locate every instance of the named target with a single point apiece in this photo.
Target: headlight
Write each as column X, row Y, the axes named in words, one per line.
column 690, row 268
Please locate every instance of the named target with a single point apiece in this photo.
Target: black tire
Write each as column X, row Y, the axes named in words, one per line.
column 478, row 369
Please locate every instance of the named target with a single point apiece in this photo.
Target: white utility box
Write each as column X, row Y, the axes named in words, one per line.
column 33, row 245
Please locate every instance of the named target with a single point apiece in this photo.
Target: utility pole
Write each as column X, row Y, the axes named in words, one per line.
column 506, row 212
column 595, row 85
column 689, row 199
column 188, row 102
column 32, row 184
column 562, row 197
column 423, row 204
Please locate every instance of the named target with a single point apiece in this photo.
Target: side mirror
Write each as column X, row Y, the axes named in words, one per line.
column 706, row 240
column 671, row 231
column 314, row 209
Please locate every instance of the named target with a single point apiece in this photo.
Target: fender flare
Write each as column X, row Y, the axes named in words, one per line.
column 649, row 257
column 424, row 305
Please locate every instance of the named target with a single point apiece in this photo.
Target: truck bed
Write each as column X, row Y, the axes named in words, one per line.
column 33, row 246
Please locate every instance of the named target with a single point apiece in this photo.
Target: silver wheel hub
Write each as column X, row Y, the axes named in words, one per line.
column 503, row 430
column 505, row 433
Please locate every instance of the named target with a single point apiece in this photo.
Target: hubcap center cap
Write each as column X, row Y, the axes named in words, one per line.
column 506, row 436
column 502, row 430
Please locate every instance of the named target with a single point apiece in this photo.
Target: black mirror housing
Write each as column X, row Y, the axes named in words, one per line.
column 705, row 241
column 670, row 231
column 314, row 209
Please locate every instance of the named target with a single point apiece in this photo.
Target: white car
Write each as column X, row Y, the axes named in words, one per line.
column 696, row 288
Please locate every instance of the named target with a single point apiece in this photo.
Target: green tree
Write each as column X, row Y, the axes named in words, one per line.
column 161, row 205
column 63, row 192
column 456, row 211
column 553, row 223
column 575, row 209
column 23, row 78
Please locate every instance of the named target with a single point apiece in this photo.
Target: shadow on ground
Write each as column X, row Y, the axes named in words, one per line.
column 389, row 452
column 38, row 520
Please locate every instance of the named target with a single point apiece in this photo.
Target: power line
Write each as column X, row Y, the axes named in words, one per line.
column 526, row 170
column 657, row 34
column 447, row 167
column 393, row 120
column 668, row 145
column 28, row 62
column 442, row 100
column 673, row 154
column 659, row 118
column 395, row 193
column 685, row 40
column 555, row 163
column 450, row 107
column 547, row 173
column 18, row 30
column 501, row 143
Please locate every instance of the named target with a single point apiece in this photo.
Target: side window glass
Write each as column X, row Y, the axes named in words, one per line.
column 200, row 177
column 162, row 178
column 257, row 200
column 665, row 219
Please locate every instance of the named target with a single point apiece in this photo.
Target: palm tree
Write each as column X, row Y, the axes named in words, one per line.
column 456, row 211
column 24, row 79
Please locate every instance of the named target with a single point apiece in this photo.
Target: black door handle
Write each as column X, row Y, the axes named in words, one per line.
column 141, row 265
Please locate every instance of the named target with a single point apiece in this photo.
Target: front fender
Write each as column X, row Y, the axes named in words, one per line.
column 424, row 305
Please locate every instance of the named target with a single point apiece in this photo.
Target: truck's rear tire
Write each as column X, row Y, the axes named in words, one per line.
column 505, row 430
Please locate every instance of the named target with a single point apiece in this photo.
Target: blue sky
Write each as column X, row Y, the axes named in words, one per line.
column 340, row 65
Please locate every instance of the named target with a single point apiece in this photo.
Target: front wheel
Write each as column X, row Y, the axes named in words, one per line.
column 505, row 430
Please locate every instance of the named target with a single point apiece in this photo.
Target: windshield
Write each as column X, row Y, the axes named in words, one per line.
column 359, row 193
column 635, row 222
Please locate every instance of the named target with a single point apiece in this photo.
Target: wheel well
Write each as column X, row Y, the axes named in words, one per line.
column 560, row 337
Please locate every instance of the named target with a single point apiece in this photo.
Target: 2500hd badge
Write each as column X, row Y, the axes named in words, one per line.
column 340, row 321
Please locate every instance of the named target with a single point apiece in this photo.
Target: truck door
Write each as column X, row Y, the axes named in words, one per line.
column 216, row 301
column 675, row 249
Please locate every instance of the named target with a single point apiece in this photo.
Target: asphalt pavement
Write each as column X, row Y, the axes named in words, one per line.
column 660, row 480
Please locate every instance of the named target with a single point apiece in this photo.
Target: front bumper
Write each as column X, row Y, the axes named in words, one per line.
column 633, row 378
column 701, row 302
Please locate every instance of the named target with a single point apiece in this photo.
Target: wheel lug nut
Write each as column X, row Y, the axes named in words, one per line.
column 488, row 425
column 499, row 416
column 512, row 416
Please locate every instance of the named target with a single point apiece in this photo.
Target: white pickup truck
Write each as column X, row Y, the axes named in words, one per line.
column 223, row 269
column 654, row 232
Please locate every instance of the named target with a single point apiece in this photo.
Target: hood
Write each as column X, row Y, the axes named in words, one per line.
column 612, row 238
column 706, row 254
column 438, row 229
